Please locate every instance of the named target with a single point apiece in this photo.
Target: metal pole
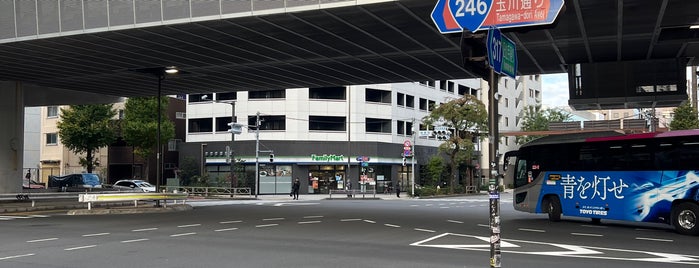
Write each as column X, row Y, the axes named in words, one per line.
column 161, row 76
column 495, row 255
column 257, row 154
column 412, row 161
column 234, row 180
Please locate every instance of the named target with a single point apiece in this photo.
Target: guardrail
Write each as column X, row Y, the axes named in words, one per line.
column 353, row 193
column 33, row 197
column 210, row 191
column 135, row 197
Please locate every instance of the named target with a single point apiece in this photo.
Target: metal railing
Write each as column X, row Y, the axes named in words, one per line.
column 354, row 193
column 131, row 197
column 211, row 191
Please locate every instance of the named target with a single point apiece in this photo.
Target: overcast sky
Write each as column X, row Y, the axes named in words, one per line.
column 554, row 90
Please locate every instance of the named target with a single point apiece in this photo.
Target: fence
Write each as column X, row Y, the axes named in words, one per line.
column 354, row 193
column 211, row 191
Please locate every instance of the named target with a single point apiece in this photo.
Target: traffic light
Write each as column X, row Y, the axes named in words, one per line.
column 474, row 54
column 442, row 134
column 271, row 158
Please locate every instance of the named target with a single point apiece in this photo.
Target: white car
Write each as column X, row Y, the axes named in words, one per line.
column 134, row 185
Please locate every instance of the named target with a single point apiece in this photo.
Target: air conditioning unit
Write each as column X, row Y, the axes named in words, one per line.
column 181, row 115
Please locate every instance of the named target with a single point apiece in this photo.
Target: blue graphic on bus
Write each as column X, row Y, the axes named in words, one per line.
column 622, row 195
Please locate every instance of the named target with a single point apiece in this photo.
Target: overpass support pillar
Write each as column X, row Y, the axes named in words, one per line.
column 11, row 136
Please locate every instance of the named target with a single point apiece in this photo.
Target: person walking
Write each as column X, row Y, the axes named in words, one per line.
column 398, row 189
column 348, row 188
column 295, row 188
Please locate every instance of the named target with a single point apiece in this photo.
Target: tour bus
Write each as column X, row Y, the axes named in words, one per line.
column 647, row 177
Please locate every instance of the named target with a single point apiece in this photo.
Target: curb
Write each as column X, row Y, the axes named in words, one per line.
column 133, row 210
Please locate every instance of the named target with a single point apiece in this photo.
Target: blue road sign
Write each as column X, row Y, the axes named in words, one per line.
column 452, row 16
column 494, row 45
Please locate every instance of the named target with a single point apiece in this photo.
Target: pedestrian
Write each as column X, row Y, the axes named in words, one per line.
column 295, row 188
column 28, row 176
column 348, row 188
column 398, row 189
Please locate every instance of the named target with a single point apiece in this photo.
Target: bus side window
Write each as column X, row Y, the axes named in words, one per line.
column 521, row 173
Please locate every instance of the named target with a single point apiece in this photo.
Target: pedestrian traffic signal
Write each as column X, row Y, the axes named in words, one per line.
column 404, row 161
column 271, row 158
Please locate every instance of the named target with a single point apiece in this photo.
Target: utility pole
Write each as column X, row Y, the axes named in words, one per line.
column 412, row 162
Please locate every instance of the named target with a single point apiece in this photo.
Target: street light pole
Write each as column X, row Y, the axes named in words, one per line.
column 234, row 180
column 257, row 154
column 412, row 162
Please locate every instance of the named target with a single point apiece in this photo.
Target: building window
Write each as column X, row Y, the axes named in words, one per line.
column 376, row 95
column 267, row 94
column 199, row 125
column 507, row 102
column 378, row 125
column 221, row 124
column 443, row 85
column 409, row 101
column 269, row 122
column 431, row 105
column 401, row 99
column 331, row 123
column 52, row 111
column 431, row 84
column 507, row 121
column 194, row 98
column 121, row 113
column 400, row 127
column 423, row 104
column 409, row 128
column 51, row 138
column 450, row 86
column 327, row 93
column 227, row 96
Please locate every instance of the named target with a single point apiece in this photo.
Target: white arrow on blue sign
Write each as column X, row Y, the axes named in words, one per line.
column 452, row 16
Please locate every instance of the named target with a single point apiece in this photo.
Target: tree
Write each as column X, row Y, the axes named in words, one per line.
column 684, row 117
column 536, row 118
column 466, row 117
column 435, row 169
column 85, row 129
column 140, row 125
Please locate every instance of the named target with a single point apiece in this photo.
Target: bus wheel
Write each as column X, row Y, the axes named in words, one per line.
column 684, row 218
column 553, row 207
column 596, row 221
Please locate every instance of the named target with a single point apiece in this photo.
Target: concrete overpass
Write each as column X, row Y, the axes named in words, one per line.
column 59, row 52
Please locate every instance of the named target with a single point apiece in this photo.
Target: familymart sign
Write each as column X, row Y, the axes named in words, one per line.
column 327, row 158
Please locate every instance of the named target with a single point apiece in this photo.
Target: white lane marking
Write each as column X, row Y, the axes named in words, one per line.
column 586, row 234
column 368, row 221
column 226, row 229
column 40, row 216
column 42, row 240
column 414, row 205
column 308, row 222
column 295, row 204
column 144, row 230
column 424, row 230
column 266, row 225
column 391, row 225
column 97, row 234
column 443, row 207
column 273, row 219
column 227, row 222
column 81, row 247
column 654, row 239
column 532, row 230
column 453, row 221
column 134, row 240
column 14, row 217
column 350, row 219
column 483, row 225
column 312, row 217
column 189, row 225
column 16, row 256
column 182, row 234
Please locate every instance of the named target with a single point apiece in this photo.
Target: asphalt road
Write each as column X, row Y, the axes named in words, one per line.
column 334, row 233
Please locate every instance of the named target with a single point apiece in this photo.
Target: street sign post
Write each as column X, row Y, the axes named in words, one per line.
column 453, row 16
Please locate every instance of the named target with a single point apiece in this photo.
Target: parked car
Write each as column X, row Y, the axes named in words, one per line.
column 82, row 180
column 134, row 185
